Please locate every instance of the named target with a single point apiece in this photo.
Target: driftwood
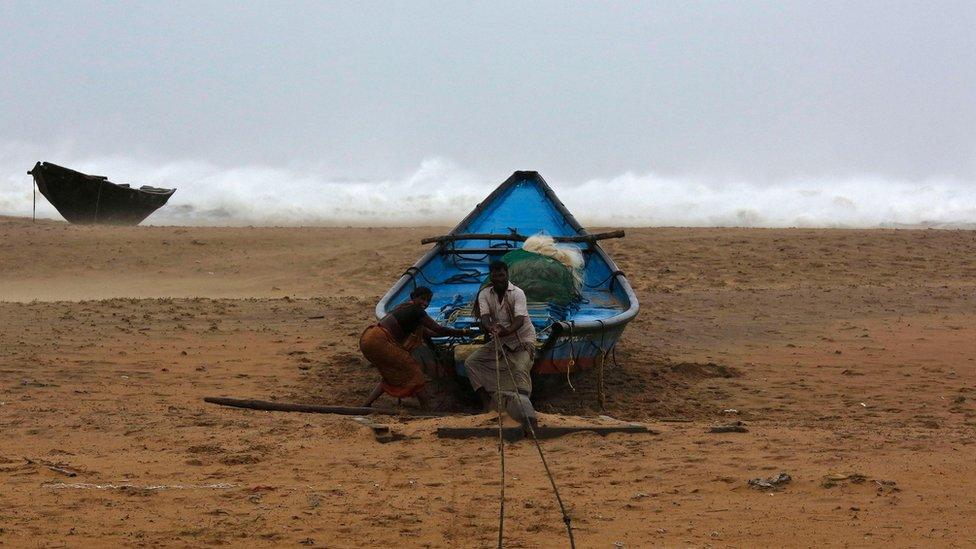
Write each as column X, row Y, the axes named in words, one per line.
column 309, row 408
column 517, row 433
column 521, row 238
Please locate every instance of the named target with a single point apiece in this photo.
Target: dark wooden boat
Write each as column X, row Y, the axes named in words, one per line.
column 571, row 338
column 93, row 199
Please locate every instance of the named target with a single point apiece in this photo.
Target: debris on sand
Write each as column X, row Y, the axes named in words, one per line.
column 771, row 483
column 56, row 467
column 887, row 486
column 734, row 427
column 833, row 479
column 382, row 433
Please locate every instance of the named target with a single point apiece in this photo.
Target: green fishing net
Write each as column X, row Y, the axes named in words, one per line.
column 542, row 278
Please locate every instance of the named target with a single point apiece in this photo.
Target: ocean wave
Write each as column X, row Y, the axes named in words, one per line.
column 439, row 192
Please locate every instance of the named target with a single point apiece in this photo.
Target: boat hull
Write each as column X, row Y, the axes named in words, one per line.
column 569, row 353
column 86, row 199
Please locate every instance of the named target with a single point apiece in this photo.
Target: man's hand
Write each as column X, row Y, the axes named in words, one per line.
column 487, row 326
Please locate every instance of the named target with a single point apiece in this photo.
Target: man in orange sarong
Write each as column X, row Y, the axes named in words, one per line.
column 388, row 345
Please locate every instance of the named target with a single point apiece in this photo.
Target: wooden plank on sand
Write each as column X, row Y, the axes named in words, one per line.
column 293, row 407
column 516, row 433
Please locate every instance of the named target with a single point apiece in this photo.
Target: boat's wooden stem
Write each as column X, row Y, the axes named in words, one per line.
column 521, row 238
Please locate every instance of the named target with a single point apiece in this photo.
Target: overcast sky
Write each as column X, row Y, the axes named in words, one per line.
column 755, row 90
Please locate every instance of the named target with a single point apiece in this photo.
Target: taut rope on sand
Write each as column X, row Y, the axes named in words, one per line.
column 552, row 481
column 501, row 448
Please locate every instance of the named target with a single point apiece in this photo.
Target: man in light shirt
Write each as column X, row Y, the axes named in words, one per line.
column 504, row 314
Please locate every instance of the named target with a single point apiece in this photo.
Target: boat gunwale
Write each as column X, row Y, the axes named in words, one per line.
column 40, row 167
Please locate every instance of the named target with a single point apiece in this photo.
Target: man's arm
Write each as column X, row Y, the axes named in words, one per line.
column 488, row 325
column 437, row 329
column 519, row 321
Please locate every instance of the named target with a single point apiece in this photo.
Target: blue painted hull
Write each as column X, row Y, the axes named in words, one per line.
column 571, row 338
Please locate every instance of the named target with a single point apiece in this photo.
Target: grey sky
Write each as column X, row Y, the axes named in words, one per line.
column 762, row 91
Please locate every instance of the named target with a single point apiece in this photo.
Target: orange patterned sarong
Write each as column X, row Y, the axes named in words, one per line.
column 401, row 372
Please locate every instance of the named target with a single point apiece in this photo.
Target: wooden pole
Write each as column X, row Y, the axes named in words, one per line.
column 517, row 433
column 309, row 408
column 521, row 238
column 34, row 189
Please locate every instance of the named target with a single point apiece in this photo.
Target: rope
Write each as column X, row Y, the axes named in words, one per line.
column 601, row 398
column 612, row 275
column 600, row 395
column 552, row 481
column 470, row 276
column 501, row 448
column 98, row 199
column 572, row 356
column 455, row 253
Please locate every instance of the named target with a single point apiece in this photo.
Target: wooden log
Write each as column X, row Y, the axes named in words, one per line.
column 521, row 238
column 308, row 408
column 516, row 433
column 488, row 251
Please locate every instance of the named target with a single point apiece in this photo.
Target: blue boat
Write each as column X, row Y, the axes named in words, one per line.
column 571, row 337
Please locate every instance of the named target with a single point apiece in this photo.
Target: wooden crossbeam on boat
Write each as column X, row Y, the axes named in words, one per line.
column 515, row 237
column 486, row 251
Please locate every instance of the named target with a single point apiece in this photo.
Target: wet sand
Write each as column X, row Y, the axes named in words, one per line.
column 850, row 356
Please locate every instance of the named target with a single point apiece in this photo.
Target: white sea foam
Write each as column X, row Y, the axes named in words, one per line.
column 441, row 193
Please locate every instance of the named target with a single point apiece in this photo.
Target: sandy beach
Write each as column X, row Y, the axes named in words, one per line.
column 849, row 356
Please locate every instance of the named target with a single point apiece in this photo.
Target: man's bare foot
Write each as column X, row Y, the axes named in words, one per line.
column 373, row 396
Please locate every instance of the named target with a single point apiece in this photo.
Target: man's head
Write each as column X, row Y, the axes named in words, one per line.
column 422, row 294
column 498, row 275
